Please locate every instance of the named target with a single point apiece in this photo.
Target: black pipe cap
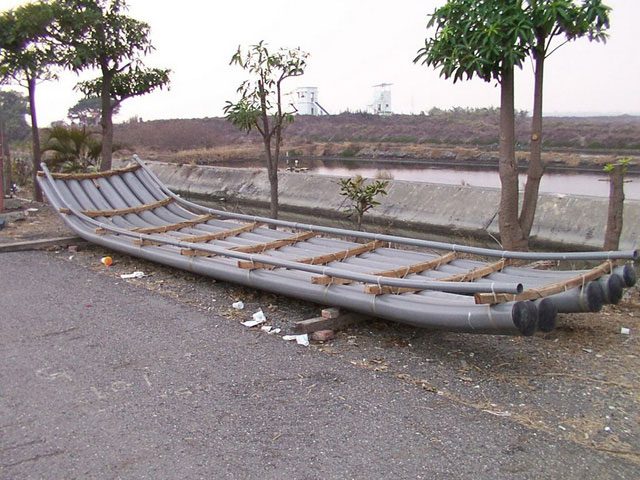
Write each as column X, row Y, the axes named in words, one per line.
column 525, row 317
column 547, row 315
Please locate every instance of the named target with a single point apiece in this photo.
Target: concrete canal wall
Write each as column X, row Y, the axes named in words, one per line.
column 433, row 210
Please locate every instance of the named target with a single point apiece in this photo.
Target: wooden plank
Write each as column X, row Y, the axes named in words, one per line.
column 399, row 272
column 123, row 211
column 320, row 323
column 175, row 226
column 258, row 248
column 261, row 247
column 247, row 227
column 545, row 291
column 469, row 276
column 42, row 243
column 205, row 237
column 479, row 272
column 320, row 259
column 91, row 175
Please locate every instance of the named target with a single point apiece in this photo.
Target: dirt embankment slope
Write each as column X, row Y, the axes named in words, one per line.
column 450, row 136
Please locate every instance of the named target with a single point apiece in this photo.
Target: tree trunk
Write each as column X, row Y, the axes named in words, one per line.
column 5, row 185
column 536, row 167
column 616, row 207
column 510, row 232
column 106, row 121
column 272, row 174
column 35, row 139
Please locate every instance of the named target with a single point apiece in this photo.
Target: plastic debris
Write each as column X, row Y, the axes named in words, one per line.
column 625, row 331
column 258, row 318
column 136, row 274
column 32, row 210
column 238, row 305
column 106, row 261
column 270, row 329
column 300, row 339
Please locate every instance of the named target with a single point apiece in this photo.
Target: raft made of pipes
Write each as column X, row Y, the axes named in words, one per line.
column 417, row 282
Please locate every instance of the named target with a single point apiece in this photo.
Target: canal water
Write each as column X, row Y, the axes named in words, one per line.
column 589, row 184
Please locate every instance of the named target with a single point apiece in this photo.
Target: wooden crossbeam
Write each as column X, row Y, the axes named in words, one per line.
column 260, row 247
column 247, row 227
column 469, row 276
column 205, row 238
column 320, row 259
column 479, row 272
column 545, row 291
column 122, row 211
column 92, row 175
column 398, row 272
column 172, row 227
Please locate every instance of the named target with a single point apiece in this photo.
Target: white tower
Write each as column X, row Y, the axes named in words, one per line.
column 382, row 99
column 305, row 101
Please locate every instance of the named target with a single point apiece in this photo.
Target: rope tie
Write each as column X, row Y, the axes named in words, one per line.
column 493, row 292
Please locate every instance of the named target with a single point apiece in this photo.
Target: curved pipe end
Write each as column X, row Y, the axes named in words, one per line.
column 628, row 274
column 547, row 315
column 525, row 317
column 614, row 289
column 595, row 296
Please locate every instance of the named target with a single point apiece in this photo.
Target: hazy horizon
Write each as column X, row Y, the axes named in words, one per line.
column 354, row 44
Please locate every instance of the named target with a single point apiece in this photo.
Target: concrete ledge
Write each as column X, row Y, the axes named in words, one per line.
column 564, row 222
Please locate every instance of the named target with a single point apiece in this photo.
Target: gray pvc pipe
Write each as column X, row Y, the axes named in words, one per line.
column 455, row 287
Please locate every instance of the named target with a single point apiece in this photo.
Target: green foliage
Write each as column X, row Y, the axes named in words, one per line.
column 72, row 149
column 622, row 162
column 87, row 111
column 25, row 50
column 261, row 93
column 98, row 34
column 131, row 83
column 13, row 108
column 361, row 195
column 476, row 39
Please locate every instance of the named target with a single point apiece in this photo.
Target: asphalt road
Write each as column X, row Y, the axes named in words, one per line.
column 103, row 379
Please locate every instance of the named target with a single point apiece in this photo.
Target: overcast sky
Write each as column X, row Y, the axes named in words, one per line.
column 353, row 45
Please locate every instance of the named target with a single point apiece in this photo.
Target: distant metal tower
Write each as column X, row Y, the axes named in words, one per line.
column 305, row 101
column 382, row 99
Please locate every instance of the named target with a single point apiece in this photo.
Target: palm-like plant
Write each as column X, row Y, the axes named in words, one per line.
column 72, row 149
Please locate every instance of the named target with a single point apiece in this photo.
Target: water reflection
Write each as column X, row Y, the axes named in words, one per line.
column 576, row 184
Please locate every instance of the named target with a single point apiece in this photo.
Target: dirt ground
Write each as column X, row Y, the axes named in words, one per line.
column 580, row 382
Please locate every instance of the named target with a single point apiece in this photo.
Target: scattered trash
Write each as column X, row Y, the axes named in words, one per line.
column 564, row 429
column 270, row 329
column 587, row 350
column 32, row 210
column 607, row 429
column 72, row 248
column 258, row 318
column 300, row 339
column 625, row 331
column 136, row 274
column 106, row 261
column 238, row 305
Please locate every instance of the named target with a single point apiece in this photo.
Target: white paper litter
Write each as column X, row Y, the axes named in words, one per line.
column 270, row 329
column 136, row 274
column 32, row 210
column 300, row 339
column 625, row 331
column 238, row 305
column 258, row 318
